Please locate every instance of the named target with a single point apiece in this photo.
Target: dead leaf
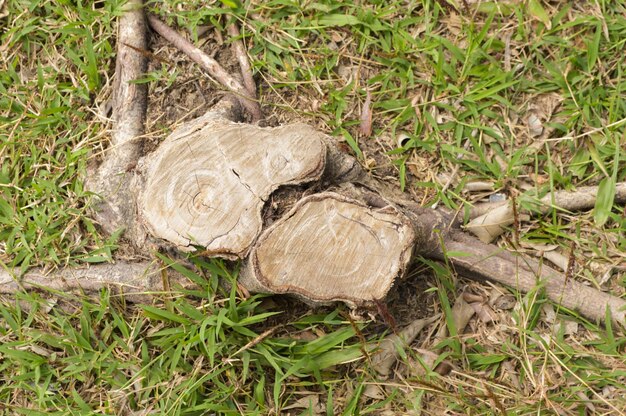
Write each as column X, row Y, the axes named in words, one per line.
column 461, row 314
column 427, row 361
column 484, row 312
column 549, row 314
column 366, row 116
column 387, row 353
column 508, row 369
column 310, row 402
column 569, row 327
column 535, row 128
column 556, row 258
column 588, row 403
column 304, row 336
column 374, row 391
column 540, row 112
column 444, row 368
column 489, row 226
column 505, row 303
column 470, row 297
column 347, row 73
column 557, row 323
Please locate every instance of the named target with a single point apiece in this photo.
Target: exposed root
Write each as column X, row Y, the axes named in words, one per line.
column 137, row 281
column 242, row 58
column 524, row 274
column 114, row 178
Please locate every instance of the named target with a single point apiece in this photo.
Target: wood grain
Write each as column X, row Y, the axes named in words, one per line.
column 208, row 182
column 332, row 248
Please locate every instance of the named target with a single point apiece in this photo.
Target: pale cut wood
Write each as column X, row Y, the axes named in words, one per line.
column 332, row 248
column 209, row 180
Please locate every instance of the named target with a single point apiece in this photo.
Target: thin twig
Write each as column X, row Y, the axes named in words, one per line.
column 242, row 57
column 208, row 63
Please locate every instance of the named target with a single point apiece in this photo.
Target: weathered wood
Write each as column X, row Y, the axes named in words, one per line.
column 137, row 281
column 332, row 248
column 113, row 180
column 484, row 261
column 207, row 183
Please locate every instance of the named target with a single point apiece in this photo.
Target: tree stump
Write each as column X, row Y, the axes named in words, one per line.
column 332, row 248
column 207, row 183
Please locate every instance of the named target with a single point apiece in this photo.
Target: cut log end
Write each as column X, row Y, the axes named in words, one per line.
column 332, row 248
column 208, row 182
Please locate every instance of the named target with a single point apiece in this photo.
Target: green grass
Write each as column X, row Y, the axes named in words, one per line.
column 460, row 82
column 55, row 63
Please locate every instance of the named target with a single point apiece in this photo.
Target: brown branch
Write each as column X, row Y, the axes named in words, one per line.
column 208, row 63
column 242, row 57
column 112, row 181
column 135, row 280
column 524, row 274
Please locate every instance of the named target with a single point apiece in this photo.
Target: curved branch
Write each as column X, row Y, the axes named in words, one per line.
column 242, row 57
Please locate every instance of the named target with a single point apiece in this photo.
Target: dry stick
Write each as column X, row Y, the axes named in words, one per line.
column 242, row 57
column 490, row 219
column 523, row 273
column 208, row 63
column 584, row 197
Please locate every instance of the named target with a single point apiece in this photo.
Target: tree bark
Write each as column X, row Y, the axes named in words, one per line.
column 137, row 281
column 114, row 180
